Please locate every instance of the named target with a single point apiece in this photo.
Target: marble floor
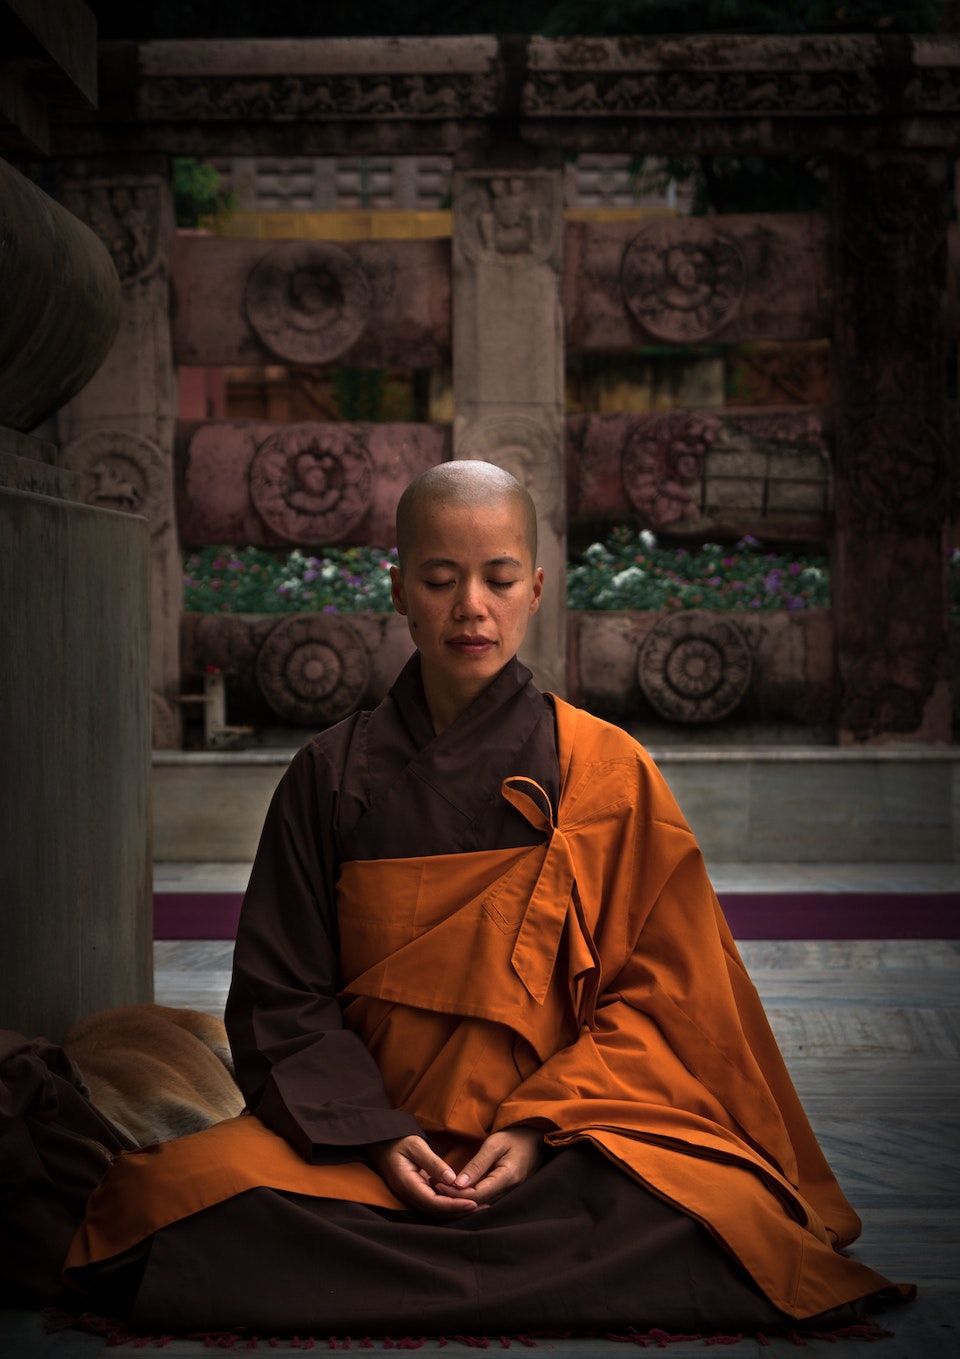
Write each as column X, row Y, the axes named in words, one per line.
column 871, row 1033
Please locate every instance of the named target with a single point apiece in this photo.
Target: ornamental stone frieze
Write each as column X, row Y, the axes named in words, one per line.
column 674, row 96
column 248, row 482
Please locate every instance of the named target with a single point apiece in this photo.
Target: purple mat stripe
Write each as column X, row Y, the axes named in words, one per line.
column 752, row 915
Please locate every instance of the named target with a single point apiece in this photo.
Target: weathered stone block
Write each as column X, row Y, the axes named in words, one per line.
column 251, row 483
column 373, row 304
column 703, row 472
column 689, row 280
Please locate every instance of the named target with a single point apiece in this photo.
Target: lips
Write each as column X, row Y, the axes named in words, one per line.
column 476, row 646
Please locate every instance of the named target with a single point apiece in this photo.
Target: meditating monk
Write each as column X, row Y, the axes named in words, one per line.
column 505, row 1071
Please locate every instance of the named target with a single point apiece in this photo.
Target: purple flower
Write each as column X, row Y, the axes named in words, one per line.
column 795, row 568
column 747, row 541
column 773, row 582
column 713, row 580
column 330, row 608
column 794, row 602
column 310, row 575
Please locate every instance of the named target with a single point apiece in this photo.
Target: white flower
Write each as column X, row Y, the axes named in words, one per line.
column 328, row 571
column 596, row 552
column 648, row 539
column 631, row 575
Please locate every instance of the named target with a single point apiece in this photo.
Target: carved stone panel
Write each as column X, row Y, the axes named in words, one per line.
column 311, row 302
column 684, row 284
column 685, row 280
column 313, row 669
column 308, row 301
column 701, row 472
column 508, row 219
column 122, row 471
column 695, row 667
column 258, row 484
column 128, row 214
column 312, row 487
column 662, row 467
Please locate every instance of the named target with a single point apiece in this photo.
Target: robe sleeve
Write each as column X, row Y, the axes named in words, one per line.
column 300, row 1070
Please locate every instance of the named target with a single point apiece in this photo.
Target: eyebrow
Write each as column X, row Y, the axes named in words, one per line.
column 449, row 562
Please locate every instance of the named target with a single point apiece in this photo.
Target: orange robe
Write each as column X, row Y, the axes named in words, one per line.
column 587, row 985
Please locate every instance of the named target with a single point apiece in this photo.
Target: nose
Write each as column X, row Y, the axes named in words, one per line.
column 470, row 599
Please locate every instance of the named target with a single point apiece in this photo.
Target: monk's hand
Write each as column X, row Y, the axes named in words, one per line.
column 504, row 1160
column 416, row 1174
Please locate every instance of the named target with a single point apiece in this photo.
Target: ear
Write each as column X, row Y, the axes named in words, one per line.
column 537, row 593
column 396, row 590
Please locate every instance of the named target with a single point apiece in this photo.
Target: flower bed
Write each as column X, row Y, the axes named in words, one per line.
column 630, row 570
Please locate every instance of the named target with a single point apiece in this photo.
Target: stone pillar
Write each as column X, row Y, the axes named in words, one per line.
column 119, row 432
column 508, row 368
column 893, row 469
column 75, row 889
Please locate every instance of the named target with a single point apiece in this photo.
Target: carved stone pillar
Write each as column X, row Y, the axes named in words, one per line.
column 119, row 431
column 508, row 363
column 893, row 468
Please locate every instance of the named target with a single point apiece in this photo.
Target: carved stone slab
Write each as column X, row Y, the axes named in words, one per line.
column 689, row 668
column 694, row 280
column 701, row 472
column 248, row 482
column 295, row 669
column 370, row 304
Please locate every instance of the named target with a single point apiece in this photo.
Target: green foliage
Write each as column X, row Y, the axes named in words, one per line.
column 198, row 200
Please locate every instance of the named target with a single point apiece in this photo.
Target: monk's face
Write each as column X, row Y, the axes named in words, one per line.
column 468, row 589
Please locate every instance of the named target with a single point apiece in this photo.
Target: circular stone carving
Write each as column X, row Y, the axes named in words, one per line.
column 897, row 466
column 312, row 669
column 662, row 460
column 694, row 667
column 683, row 280
column 123, row 472
column 522, row 447
column 308, row 302
column 311, row 483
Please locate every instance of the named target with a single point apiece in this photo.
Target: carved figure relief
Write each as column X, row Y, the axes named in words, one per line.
column 312, row 669
column 123, row 471
column 128, row 215
column 508, row 219
column 311, row 483
column 315, row 97
column 662, row 461
column 523, row 447
column 307, row 301
column 897, row 465
column 682, row 279
column 694, row 667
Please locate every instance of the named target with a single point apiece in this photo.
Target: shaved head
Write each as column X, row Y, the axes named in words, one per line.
column 468, row 483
